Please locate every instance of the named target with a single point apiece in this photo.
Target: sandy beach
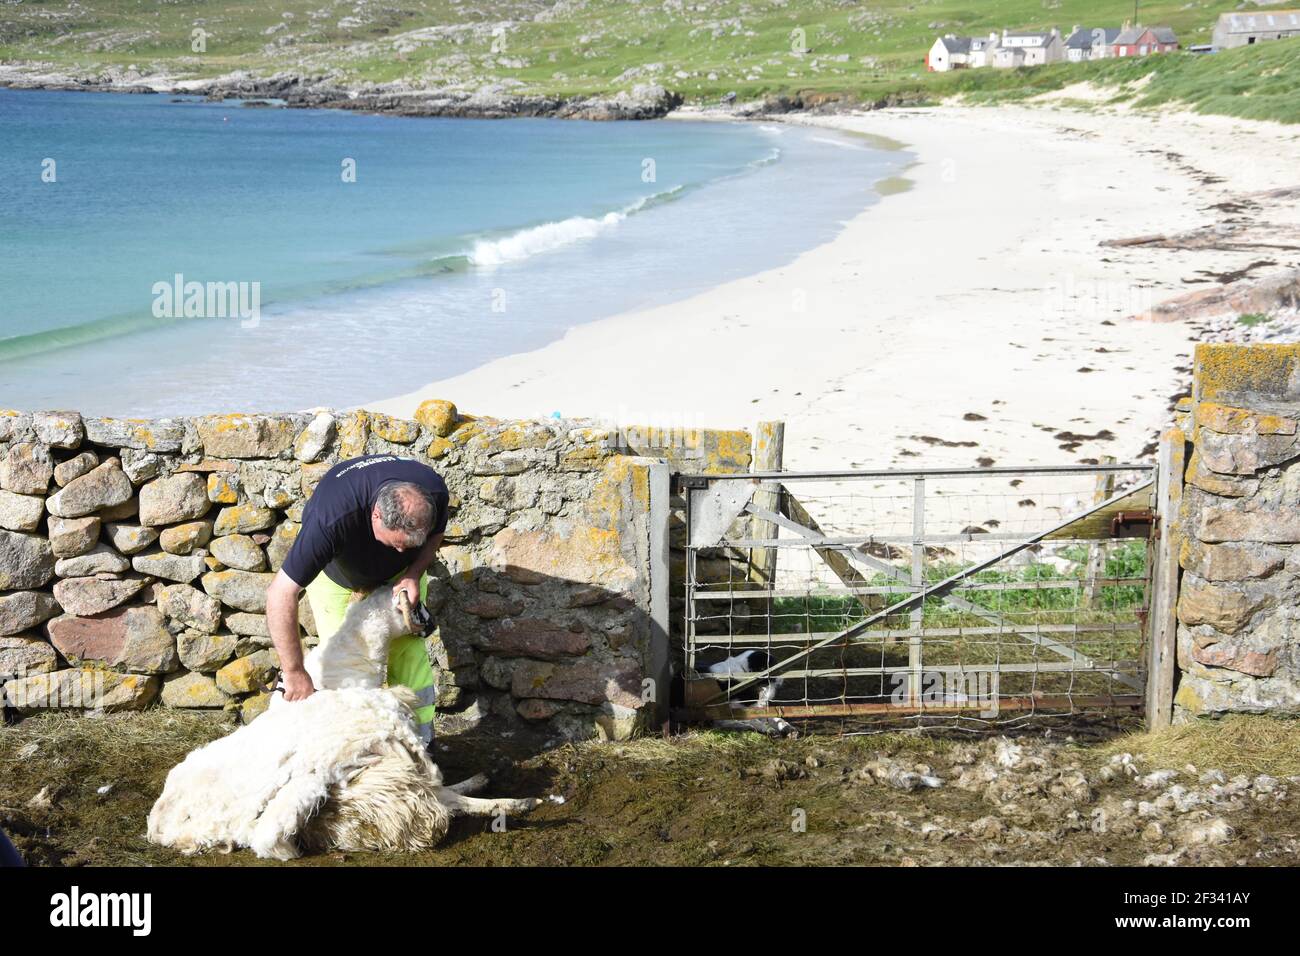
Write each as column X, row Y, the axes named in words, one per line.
column 976, row 306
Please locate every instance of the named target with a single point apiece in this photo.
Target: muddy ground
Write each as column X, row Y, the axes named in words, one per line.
column 77, row 791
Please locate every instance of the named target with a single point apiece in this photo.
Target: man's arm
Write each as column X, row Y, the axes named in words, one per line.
column 411, row 576
column 282, row 620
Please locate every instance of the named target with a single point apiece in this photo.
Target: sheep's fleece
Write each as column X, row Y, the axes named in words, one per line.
column 258, row 786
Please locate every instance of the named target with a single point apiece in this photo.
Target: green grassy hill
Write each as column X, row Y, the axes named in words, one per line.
column 701, row 48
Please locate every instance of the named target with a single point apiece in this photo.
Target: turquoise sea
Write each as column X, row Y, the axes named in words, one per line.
column 381, row 252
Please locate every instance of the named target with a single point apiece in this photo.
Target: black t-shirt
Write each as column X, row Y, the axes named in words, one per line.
column 336, row 535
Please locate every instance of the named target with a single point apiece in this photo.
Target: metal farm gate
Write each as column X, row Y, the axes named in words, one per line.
column 949, row 597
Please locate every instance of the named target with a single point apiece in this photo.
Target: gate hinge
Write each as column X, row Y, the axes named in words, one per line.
column 685, row 482
column 1132, row 524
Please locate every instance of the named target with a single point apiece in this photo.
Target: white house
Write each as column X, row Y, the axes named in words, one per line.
column 948, row 53
column 1244, row 29
column 1029, row 49
column 981, row 51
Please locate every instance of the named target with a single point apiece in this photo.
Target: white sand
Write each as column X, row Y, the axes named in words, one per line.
column 981, row 290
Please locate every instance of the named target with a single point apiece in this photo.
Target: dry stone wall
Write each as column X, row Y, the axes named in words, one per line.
column 1238, row 637
column 135, row 555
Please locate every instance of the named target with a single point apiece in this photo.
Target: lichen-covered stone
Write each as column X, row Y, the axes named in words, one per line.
column 25, row 654
column 22, row 610
column 193, row 691
column 400, row 431
column 239, row 551
column 247, row 674
column 585, row 555
column 70, row 537
column 181, row 497
column 1231, row 562
column 1226, row 523
column 123, row 512
column 161, row 435
column 26, row 561
column 1223, row 608
column 75, row 467
column 82, row 689
column 286, row 532
column 184, row 538
column 21, row 512
column 248, row 625
column 182, row 568
column 587, row 681
column 15, row 426
column 315, row 439
column 245, row 590
column 280, row 491
column 1244, row 454
column 242, row 519
column 59, row 429
column 497, row 672
column 86, row 596
column 130, row 538
column 26, row 469
column 1237, row 656
column 134, row 637
column 253, row 707
column 245, row 436
column 438, row 415
column 189, row 606
column 203, row 652
column 140, row 466
column 223, row 487
column 101, row 559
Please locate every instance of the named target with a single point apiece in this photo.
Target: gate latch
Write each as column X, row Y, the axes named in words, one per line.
column 1131, row 524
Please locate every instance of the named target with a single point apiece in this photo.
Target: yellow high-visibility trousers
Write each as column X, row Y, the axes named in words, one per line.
column 408, row 658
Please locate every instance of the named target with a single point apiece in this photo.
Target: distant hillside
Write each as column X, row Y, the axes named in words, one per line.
column 703, row 49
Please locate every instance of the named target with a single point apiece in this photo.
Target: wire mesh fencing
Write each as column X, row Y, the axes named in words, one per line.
column 962, row 598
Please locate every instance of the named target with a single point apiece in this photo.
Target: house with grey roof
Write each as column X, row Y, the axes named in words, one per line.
column 981, row 51
column 1245, row 29
column 1018, row 48
column 948, row 53
column 1143, row 41
column 1089, row 43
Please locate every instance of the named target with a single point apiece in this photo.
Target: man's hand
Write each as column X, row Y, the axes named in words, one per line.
column 297, row 685
column 412, row 588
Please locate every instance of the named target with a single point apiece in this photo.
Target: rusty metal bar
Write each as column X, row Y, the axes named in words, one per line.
column 1063, row 703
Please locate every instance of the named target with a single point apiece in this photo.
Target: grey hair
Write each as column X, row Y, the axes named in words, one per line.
column 407, row 507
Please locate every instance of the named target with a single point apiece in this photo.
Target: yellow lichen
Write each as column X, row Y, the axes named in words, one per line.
column 1225, row 370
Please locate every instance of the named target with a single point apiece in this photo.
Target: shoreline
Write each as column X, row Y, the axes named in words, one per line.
column 972, row 319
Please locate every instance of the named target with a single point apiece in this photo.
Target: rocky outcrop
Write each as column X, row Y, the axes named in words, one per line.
column 494, row 101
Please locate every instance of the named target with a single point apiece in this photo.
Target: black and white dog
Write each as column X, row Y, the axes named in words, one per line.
column 757, row 695
column 747, row 662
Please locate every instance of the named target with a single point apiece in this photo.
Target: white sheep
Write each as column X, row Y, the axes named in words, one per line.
column 344, row 769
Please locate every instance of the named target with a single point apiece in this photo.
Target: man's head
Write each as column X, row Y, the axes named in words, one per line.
column 402, row 516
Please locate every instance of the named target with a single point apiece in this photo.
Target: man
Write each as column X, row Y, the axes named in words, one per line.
column 372, row 520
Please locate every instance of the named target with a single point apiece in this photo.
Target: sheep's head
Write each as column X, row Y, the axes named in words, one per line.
column 415, row 617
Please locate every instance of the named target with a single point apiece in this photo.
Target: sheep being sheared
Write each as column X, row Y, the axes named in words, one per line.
column 344, row 769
